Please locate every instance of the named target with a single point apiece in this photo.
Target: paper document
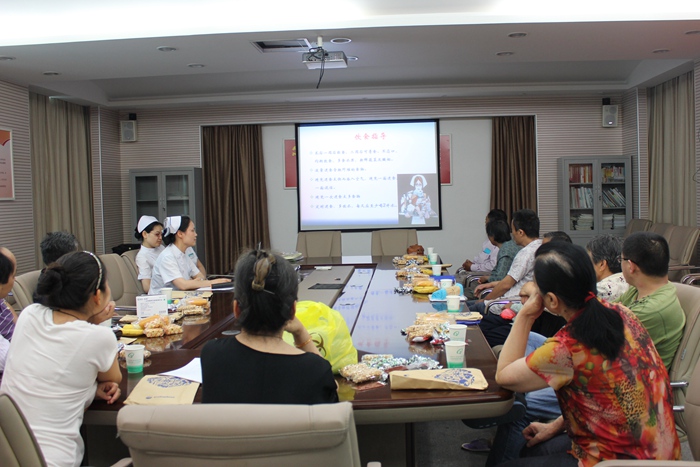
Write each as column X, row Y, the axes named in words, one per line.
column 218, row 289
column 192, row 371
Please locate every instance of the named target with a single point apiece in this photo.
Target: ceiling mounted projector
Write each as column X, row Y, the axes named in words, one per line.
column 314, row 58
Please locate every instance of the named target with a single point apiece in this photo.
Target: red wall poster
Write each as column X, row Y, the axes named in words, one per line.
column 290, row 163
column 445, row 160
column 7, row 185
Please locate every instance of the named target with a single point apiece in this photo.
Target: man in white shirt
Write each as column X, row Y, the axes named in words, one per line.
column 525, row 231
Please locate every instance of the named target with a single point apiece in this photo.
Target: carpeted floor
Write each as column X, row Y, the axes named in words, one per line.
column 439, row 445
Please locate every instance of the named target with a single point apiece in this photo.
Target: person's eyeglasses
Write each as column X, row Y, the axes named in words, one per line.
column 621, row 259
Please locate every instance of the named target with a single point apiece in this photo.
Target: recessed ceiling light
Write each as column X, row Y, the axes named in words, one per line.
column 504, row 54
column 196, row 65
column 352, row 58
column 341, row 40
column 660, row 51
column 693, row 32
column 517, row 35
column 7, row 59
column 165, row 48
column 51, row 73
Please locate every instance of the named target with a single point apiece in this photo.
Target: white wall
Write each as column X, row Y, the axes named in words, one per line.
column 464, row 203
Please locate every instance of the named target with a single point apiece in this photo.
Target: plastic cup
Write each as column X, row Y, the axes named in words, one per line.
column 454, row 353
column 458, row 332
column 437, row 270
column 168, row 292
column 431, row 250
column 445, row 283
column 453, row 302
column 134, row 358
column 432, row 257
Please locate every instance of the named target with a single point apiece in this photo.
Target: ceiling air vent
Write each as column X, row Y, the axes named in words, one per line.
column 287, row 45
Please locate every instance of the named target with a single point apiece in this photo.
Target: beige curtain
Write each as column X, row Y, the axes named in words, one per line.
column 61, row 169
column 235, row 194
column 672, row 152
column 514, row 164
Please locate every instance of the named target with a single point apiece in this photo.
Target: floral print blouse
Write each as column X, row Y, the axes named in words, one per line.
column 612, row 287
column 615, row 409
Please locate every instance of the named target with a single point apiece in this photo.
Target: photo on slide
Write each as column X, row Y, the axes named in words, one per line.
column 415, row 192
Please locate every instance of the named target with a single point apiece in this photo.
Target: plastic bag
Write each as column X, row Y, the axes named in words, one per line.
column 329, row 331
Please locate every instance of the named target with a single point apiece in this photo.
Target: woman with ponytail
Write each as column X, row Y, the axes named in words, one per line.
column 60, row 360
column 612, row 386
column 257, row 366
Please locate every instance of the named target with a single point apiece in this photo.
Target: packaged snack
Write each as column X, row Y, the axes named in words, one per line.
column 360, row 373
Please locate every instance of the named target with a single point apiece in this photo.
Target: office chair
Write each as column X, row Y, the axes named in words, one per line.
column 393, row 242
column 320, row 244
column 24, row 288
column 240, row 434
column 18, row 446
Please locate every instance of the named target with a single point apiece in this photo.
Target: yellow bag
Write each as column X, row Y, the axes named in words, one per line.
column 329, row 331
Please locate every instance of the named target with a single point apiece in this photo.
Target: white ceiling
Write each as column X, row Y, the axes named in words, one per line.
column 106, row 51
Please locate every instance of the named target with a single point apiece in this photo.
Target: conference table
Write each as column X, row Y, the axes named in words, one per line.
column 365, row 295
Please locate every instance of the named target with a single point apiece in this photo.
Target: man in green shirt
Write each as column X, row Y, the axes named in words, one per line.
column 651, row 296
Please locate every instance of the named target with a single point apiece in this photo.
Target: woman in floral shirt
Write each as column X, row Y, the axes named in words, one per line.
column 605, row 251
column 611, row 384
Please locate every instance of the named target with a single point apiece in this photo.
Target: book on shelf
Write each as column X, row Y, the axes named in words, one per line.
column 613, row 173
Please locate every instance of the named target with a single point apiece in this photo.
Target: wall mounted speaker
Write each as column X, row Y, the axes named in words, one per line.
column 610, row 116
column 127, row 131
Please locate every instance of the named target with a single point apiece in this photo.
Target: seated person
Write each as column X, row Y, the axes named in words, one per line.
column 667, row 319
column 59, row 361
column 587, row 363
column 556, row 236
column 150, row 232
column 651, row 297
column 498, row 233
column 56, row 244
column 525, row 230
column 174, row 268
column 547, row 324
column 604, row 251
column 487, row 259
column 8, row 317
column 257, row 365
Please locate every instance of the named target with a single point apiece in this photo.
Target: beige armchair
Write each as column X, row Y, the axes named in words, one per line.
column 320, row 244
column 124, row 285
column 637, row 225
column 682, row 243
column 254, row 435
column 24, row 288
column 687, row 355
column 393, row 242
column 129, row 258
column 18, row 446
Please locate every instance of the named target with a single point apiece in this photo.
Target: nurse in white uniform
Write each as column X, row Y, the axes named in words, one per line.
column 174, row 268
column 150, row 232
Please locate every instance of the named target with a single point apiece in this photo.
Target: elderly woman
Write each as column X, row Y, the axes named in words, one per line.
column 605, row 251
column 601, row 364
column 257, row 365
column 59, row 361
column 174, row 267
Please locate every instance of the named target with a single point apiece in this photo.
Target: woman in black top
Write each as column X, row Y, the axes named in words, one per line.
column 257, row 365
